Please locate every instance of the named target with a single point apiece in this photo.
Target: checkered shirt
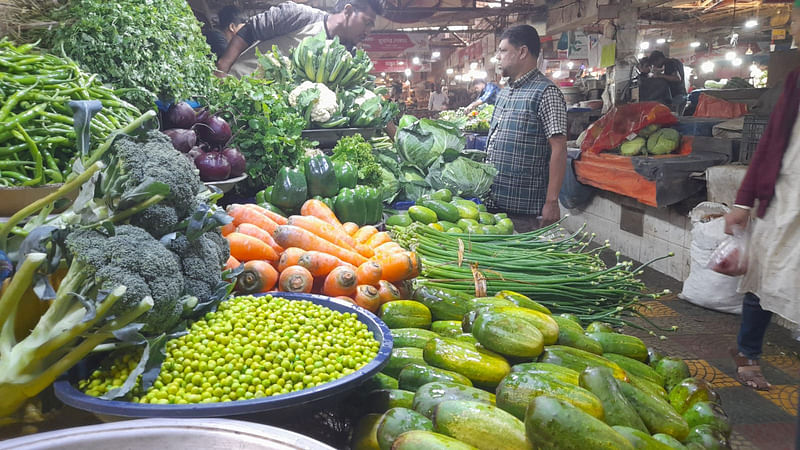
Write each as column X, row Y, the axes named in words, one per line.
column 527, row 113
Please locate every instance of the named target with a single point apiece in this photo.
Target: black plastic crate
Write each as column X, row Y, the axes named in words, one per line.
column 752, row 130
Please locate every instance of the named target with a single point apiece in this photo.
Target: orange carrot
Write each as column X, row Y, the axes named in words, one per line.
column 365, row 250
column 290, row 257
column 232, row 263
column 258, row 276
column 242, row 214
column 364, row 233
column 350, row 228
column 367, row 298
column 399, row 266
column 227, row 229
column 387, row 248
column 321, row 211
column 277, row 218
column 257, row 232
column 292, row 236
column 378, row 239
column 318, row 263
column 324, row 230
column 341, row 281
column 369, row 273
column 388, row 292
column 247, row 248
column 296, row 279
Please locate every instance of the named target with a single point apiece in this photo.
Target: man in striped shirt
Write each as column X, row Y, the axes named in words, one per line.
column 527, row 140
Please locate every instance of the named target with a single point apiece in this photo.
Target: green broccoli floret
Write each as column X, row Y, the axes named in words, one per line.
column 201, row 261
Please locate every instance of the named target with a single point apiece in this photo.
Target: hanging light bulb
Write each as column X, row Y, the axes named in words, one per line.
column 449, row 71
column 737, row 62
column 661, row 41
column 749, row 50
column 752, row 23
column 415, row 60
column 570, row 64
column 730, row 56
column 644, row 45
column 707, row 66
column 694, row 44
column 435, row 55
column 407, row 72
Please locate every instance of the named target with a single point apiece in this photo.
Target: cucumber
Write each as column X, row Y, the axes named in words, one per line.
column 382, row 400
column 484, row 426
column 654, row 356
column 467, row 224
column 447, row 328
column 365, row 435
column 507, row 334
column 467, row 337
column 444, row 211
column 455, row 230
column 708, row 437
column 415, row 375
column 690, row 391
column 482, row 207
column 571, row 317
column 405, row 314
column 486, row 219
column 506, row 226
column 571, row 334
column 399, row 220
column 657, row 414
column 640, row 439
column 673, row 370
column 708, row 413
column 579, row 360
column 500, row 216
column 490, row 229
column 482, row 367
column 599, row 326
column 422, row 214
column 517, row 390
column 600, row 382
column 379, row 381
column 555, row 424
column 553, row 371
column 401, row 356
column 397, row 421
column 670, row 441
column 523, row 301
column 447, row 225
column 427, row 440
column 544, row 322
column 466, row 209
column 634, row 367
column 431, row 394
column 445, row 304
column 444, row 195
column 468, row 320
column 649, row 387
column 621, row 344
column 569, row 324
column 482, row 302
column 411, row 337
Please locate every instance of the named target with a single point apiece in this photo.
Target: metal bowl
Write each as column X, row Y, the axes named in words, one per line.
column 265, row 409
column 226, row 185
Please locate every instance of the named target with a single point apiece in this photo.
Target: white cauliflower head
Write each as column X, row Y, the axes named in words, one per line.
column 364, row 97
column 323, row 107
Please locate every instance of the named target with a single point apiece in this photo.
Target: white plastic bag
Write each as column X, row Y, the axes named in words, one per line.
column 730, row 257
column 704, row 287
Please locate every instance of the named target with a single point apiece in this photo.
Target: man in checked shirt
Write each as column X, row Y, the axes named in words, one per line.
column 527, row 136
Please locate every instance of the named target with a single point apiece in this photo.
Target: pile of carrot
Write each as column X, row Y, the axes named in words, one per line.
column 315, row 252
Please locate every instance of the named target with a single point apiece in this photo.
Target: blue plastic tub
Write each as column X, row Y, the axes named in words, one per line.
column 265, row 410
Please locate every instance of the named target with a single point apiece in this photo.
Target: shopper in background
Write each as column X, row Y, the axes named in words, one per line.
column 771, row 283
column 487, row 93
column 437, row 100
column 231, row 20
column 528, row 135
column 286, row 24
column 670, row 70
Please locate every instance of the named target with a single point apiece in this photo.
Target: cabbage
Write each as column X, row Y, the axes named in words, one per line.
column 414, row 185
column 633, row 147
column 389, row 187
column 649, row 130
column 406, row 121
column 464, row 177
column 663, row 141
column 424, row 141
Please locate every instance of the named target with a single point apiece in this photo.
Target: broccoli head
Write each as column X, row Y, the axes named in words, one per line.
column 201, row 261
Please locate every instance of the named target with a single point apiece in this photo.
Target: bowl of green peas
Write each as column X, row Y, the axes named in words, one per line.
column 266, row 355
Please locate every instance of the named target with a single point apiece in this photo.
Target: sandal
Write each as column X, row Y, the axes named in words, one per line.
column 748, row 372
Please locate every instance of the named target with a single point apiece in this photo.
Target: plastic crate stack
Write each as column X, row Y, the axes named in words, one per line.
column 752, row 130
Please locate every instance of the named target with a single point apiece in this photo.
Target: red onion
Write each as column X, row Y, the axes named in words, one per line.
column 179, row 115
column 236, row 158
column 213, row 167
column 195, row 152
column 214, row 130
column 182, row 140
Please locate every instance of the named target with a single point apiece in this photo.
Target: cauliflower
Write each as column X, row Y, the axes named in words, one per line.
column 364, row 97
column 315, row 101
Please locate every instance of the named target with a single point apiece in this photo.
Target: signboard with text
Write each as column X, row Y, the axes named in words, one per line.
column 396, row 45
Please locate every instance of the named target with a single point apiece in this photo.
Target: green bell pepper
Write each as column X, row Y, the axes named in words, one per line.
column 264, row 195
column 330, row 201
column 290, row 190
column 374, row 205
column 321, row 177
column 271, row 207
column 346, row 174
column 351, row 206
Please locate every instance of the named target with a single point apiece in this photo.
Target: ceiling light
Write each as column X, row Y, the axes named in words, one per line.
column 457, row 28
column 473, row 65
column 436, row 54
column 415, row 60
column 402, row 63
column 661, row 41
column 644, row 45
column 694, row 44
column 570, row 64
column 457, row 77
column 752, row 23
column 407, row 72
column 640, row 55
column 449, row 71
column 383, row 74
column 730, row 56
column 707, row 67
column 737, row 62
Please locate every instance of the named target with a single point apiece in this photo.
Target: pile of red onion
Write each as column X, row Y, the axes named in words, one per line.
column 203, row 137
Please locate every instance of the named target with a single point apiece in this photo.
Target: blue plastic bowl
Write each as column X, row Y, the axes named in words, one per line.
column 276, row 406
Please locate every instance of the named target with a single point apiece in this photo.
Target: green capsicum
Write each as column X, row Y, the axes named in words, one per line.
column 346, row 174
column 350, row 206
column 290, row 189
column 330, row 201
column 264, row 195
column 271, row 207
column 321, row 177
column 374, row 205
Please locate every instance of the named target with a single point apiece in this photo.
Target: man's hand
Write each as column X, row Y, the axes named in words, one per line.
column 736, row 217
column 550, row 213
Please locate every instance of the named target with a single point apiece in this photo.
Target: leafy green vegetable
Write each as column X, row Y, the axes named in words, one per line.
column 359, row 153
column 463, row 176
column 414, row 185
column 149, row 47
column 269, row 134
column 390, row 186
column 424, row 141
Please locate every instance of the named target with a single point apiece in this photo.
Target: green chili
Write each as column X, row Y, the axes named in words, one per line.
column 38, row 174
column 22, row 117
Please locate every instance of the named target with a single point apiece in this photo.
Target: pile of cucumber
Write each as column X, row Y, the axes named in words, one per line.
column 444, row 212
column 503, row 373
